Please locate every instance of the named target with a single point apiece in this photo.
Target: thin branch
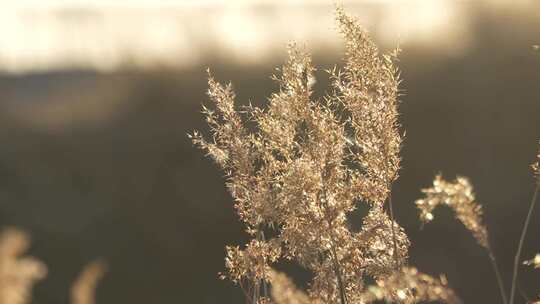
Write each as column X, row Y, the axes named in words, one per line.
column 520, row 245
column 523, row 293
column 394, row 239
column 337, row 269
column 256, row 288
column 497, row 275
column 257, row 284
column 265, row 285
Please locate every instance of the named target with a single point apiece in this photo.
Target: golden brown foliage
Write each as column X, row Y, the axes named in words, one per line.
column 17, row 274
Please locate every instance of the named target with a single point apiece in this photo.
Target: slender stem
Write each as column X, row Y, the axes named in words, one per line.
column 498, row 275
column 245, row 291
column 523, row 294
column 342, row 294
column 265, row 287
column 337, row 269
column 265, row 290
column 520, row 245
column 256, row 288
column 257, row 284
column 394, row 239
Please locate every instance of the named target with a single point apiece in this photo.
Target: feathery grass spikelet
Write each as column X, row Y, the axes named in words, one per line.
column 252, row 262
column 368, row 90
column 410, row 286
column 459, row 196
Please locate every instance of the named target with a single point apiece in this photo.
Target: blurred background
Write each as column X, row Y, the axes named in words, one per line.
column 96, row 99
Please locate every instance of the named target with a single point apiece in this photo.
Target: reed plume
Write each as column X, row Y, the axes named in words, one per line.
column 306, row 167
column 459, row 196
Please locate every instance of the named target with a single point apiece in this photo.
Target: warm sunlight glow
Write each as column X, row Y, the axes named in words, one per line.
column 105, row 35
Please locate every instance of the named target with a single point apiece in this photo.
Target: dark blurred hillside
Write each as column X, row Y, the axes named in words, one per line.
column 99, row 165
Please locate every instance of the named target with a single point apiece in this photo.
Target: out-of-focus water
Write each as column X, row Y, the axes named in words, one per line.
column 104, row 35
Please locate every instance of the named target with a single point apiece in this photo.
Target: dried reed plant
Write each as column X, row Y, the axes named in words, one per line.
column 309, row 163
column 306, row 167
